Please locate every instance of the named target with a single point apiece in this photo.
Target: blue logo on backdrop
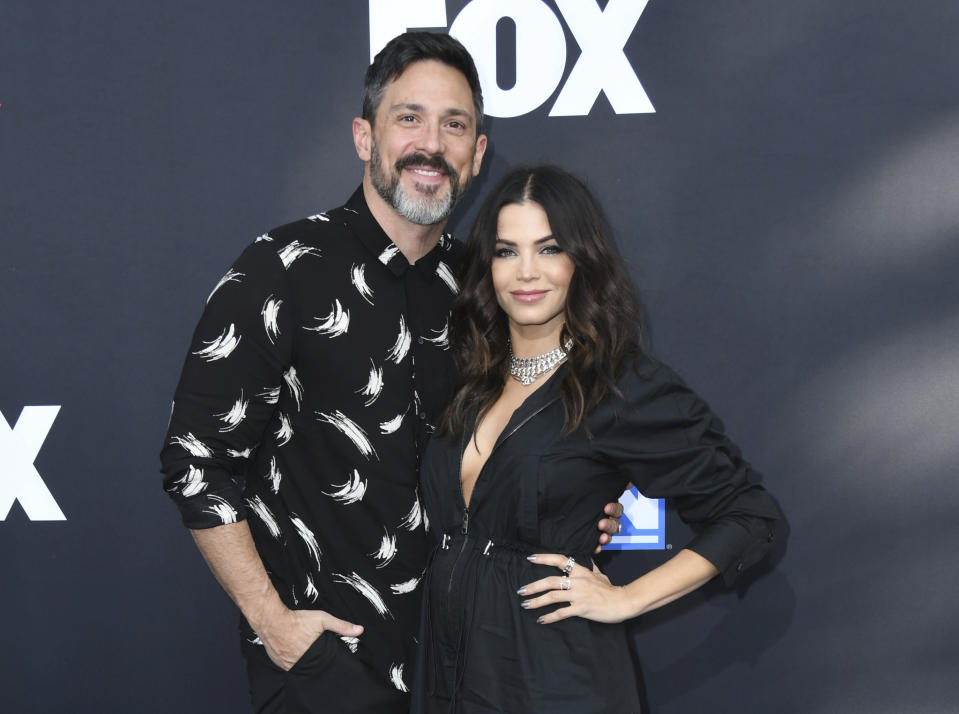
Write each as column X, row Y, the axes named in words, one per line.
column 644, row 523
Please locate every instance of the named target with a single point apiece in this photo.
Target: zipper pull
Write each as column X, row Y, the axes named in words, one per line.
column 466, row 520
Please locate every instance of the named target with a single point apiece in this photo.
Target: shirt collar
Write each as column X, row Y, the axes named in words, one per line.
column 364, row 226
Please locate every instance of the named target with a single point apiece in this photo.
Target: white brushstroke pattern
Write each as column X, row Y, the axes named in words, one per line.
column 270, row 395
column 308, row 538
column 235, row 416
column 446, row 275
column 351, row 430
column 407, row 586
column 318, row 217
column 442, row 338
column 270, row 313
column 352, row 642
column 265, row 514
column 295, row 250
column 396, row 677
column 193, row 445
column 351, row 491
column 414, row 518
column 387, row 255
column 264, row 237
column 387, row 550
column 231, row 276
column 366, row 590
column 221, row 508
column 285, row 432
column 245, row 454
column 293, row 382
column 193, row 482
column 402, row 346
column 221, row 347
column 358, row 278
column 311, row 591
column 335, row 324
column 391, row 426
column 374, row 385
column 275, row 476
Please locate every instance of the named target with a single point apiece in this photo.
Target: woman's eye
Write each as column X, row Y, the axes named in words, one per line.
column 503, row 252
column 552, row 250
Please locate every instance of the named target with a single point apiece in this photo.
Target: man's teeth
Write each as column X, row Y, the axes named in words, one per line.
column 426, row 172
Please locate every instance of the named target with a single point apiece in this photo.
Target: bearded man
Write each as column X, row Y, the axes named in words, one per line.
column 313, row 381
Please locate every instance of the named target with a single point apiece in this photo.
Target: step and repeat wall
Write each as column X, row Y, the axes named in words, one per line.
column 783, row 179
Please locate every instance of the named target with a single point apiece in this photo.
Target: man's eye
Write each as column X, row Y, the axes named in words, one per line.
column 407, row 118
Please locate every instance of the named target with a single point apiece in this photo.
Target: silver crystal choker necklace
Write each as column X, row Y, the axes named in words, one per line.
column 528, row 369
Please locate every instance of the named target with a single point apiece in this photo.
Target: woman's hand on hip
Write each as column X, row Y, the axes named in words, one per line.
column 587, row 593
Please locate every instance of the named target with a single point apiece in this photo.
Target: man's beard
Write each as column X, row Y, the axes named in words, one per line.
column 424, row 209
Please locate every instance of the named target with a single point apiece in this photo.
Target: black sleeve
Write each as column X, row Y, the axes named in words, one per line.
column 228, row 389
column 668, row 442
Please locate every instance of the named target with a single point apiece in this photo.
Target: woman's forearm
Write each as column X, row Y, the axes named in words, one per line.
column 679, row 575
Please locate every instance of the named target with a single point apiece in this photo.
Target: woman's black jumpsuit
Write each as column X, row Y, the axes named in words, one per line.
column 541, row 492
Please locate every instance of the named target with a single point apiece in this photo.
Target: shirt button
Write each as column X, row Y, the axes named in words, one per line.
column 420, row 340
column 422, row 416
column 739, row 568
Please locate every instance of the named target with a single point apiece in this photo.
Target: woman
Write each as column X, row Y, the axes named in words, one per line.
column 557, row 409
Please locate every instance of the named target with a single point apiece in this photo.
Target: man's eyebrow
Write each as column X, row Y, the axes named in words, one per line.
column 456, row 112
column 419, row 108
column 408, row 107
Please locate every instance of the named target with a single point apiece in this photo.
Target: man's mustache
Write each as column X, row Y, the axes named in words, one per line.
column 433, row 162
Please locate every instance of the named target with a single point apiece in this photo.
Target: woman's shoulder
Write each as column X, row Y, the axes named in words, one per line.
column 651, row 398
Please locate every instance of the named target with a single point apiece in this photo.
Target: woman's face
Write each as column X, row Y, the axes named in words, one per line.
column 530, row 272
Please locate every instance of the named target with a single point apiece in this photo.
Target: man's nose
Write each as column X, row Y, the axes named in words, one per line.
column 430, row 139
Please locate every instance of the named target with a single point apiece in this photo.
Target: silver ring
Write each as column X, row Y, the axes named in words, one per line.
column 570, row 562
column 566, row 584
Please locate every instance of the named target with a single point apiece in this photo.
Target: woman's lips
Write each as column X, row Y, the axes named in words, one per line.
column 528, row 295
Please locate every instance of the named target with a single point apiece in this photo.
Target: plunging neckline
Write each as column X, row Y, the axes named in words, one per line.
column 503, row 434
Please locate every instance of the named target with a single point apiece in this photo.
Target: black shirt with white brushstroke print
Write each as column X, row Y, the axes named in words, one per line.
column 313, row 379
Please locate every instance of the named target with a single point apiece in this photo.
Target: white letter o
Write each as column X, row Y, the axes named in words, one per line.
column 540, row 52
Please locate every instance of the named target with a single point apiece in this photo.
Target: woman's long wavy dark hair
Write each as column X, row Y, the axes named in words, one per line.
column 603, row 315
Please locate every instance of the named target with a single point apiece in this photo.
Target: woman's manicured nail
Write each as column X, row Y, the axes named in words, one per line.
column 524, row 604
column 531, row 558
column 521, row 591
column 539, row 620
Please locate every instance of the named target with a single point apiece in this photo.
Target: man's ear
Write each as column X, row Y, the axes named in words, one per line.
column 478, row 153
column 363, row 138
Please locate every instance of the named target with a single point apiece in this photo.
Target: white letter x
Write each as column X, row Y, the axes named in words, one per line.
column 602, row 66
column 19, row 479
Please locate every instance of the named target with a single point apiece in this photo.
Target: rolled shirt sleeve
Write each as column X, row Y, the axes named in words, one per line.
column 669, row 443
column 228, row 389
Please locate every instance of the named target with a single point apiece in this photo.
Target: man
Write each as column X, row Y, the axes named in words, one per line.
column 314, row 378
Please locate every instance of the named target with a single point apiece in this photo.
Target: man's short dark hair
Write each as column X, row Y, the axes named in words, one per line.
column 410, row 47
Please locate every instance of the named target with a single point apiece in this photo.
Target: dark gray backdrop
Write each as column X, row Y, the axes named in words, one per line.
column 790, row 212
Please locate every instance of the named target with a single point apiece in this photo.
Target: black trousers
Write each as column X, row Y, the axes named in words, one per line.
column 327, row 679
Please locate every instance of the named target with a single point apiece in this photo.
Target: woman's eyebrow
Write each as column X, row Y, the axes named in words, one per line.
column 537, row 242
